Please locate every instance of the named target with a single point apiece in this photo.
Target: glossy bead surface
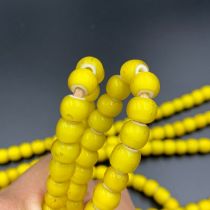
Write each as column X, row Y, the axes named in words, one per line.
column 26, row 150
column 157, row 147
column 204, row 145
column 4, row 158
column 150, row 187
column 139, row 182
column 4, row 179
column 181, row 147
column 94, row 95
column 169, row 147
column 141, row 109
column 72, row 205
column 55, row 202
column 38, row 147
column 161, row 195
column 14, row 153
column 76, row 192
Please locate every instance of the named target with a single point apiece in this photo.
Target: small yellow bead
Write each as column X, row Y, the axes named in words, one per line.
column 189, row 124
column 178, row 105
column 115, row 180
column 169, row 131
column 169, row 147
column 14, row 153
column 87, row 158
column 4, row 179
column 109, row 106
column 181, row 147
column 141, row 109
column 48, row 142
column 132, row 67
column 179, row 128
column 146, row 150
column 200, row 120
column 192, row 146
column 84, row 79
column 117, row 88
column 171, row 203
column 206, row 91
column 94, row 95
column 55, row 202
column 167, row 109
column 158, row 132
column 99, row 122
column 150, row 187
column 103, row 198
column 161, row 195
column 145, row 82
column 157, row 147
column 22, row 168
column 100, row 171
column 4, row 158
column 65, row 153
column 94, row 65
column 57, row 188
column 159, row 114
column 38, row 147
column 72, row 205
column 76, row 192
column 74, row 109
column 90, row 206
column 26, row 150
column 198, row 97
column 129, row 158
column 111, row 131
column 134, row 135
column 12, row 174
column 69, row 132
column 139, row 182
column 204, row 145
column 187, row 101
column 61, row 172
column 192, row 206
column 82, row 175
column 118, row 125
column 207, row 116
column 204, row 204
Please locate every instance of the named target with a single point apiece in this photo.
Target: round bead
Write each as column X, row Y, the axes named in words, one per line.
column 134, row 135
column 141, row 109
column 139, row 182
column 38, row 147
column 12, row 174
column 99, row 122
column 55, row 202
column 26, row 150
column 61, row 172
column 161, row 195
column 94, row 65
column 204, row 204
column 14, row 153
column 72, row 205
column 146, row 150
column 132, row 67
column 189, row 124
column 23, row 168
column 198, row 97
column 94, row 95
column 145, row 82
column 192, row 146
column 129, row 159
column 65, row 153
column 179, row 128
column 204, row 145
column 187, row 101
column 168, row 131
column 150, row 187
column 181, row 147
column 74, row 109
column 103, row 198
column 109, row 106
column 69, row 132
column 90, row 206
column 84, row 79
column 100, row 171
column 76, row 192
column 169, row 147
column 57, row 188
column 87, row 158
column 115, row 180
column 117, row 88
column 4, row 179
column 200, row 120
column 92, row 140
column 178, row 105
column 206, row 91
column 4, row 158
column 157, row 147
column 158, row 132
column 171, row 203
column 167, row 109
column 191, row 206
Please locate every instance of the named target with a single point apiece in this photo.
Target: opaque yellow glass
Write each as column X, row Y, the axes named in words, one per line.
column 4, row 180
column 26, row 150
column 72, row 205
column 94, row 95
column 161, row 195
column 55, row 202
column 150, row 187
column 138, row 182
column 38, row 147
column 76, row 192
column 4, row 158
column 14, row 153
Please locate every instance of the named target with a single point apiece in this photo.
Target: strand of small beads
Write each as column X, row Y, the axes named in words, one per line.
column 134, row 135
column 109, row 106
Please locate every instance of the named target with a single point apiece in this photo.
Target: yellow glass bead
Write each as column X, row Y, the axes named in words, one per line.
column 117, row 88
column 118, row 125
column 146, row 150
column 4, row 158
column 169, row 131
column 150, row 187
column 69, row 132
column 161, row 195
column 102, row 155
column 12, row 174
column 100, row 171
column 48, row 142
column 99, row 122
column 94, row 65
column 179, row 128
column 141, row 109
column 181, row 147
column 204, row 145
column 92, row 107
column 92, row 140
column 109, row 106
column 38, row 147
column 169, row 147
column 192, row 146
column 61, row 172
column 76, row 192
column 192, row 206
column 178, row 105
column 65, row 153
column 189, row 124
column 82, row 175
column 84, row 79
column 171, row 203
column 87, row 158
column 134, row 135
column 74, row 108
column 157, row 147
column 139, row 182
column 204, row 204
column 200, row 120
column 115, row 180
column 72, row 205
column 94, row 95
column 113, row 140
column 159, row 114
column 132, row 67
column 167, row 109
column 55, row 202
column 111, row 131
column 22, row 168
column 4, row 179
column 103, row 198
column 158, row 132
column 145, row 82
column 14, row 153
column 90, row 206
column 206, row 91
column 57, row 188
column 198, row 97
column 26, row 150
column 129, row 158
column 207, row 116
column 187, row 101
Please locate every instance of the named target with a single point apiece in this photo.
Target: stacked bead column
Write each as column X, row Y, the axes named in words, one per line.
column 134, row 134
column 74, row 110
column 109, row 106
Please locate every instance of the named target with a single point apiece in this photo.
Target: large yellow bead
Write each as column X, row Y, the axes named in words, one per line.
column 125, row 159
column 115, row 180
column 61, row 172
column 87, row 158
column 74, row 109
column 132, row 67
column 65, row 153
column 94, row 65
column 145, row 82
column 109, row 106
column 55, row 202
column 94, row 95
column 69, row 132
column 117, row 88
column 72, row 205
column 84, row 79
column 82, row 175
column 103, row 198
column 99, row 122
column 141, row 109
column 92, row 140
column 134, row 135
column 76, row 192
column 90, row 206
column 57, row 188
